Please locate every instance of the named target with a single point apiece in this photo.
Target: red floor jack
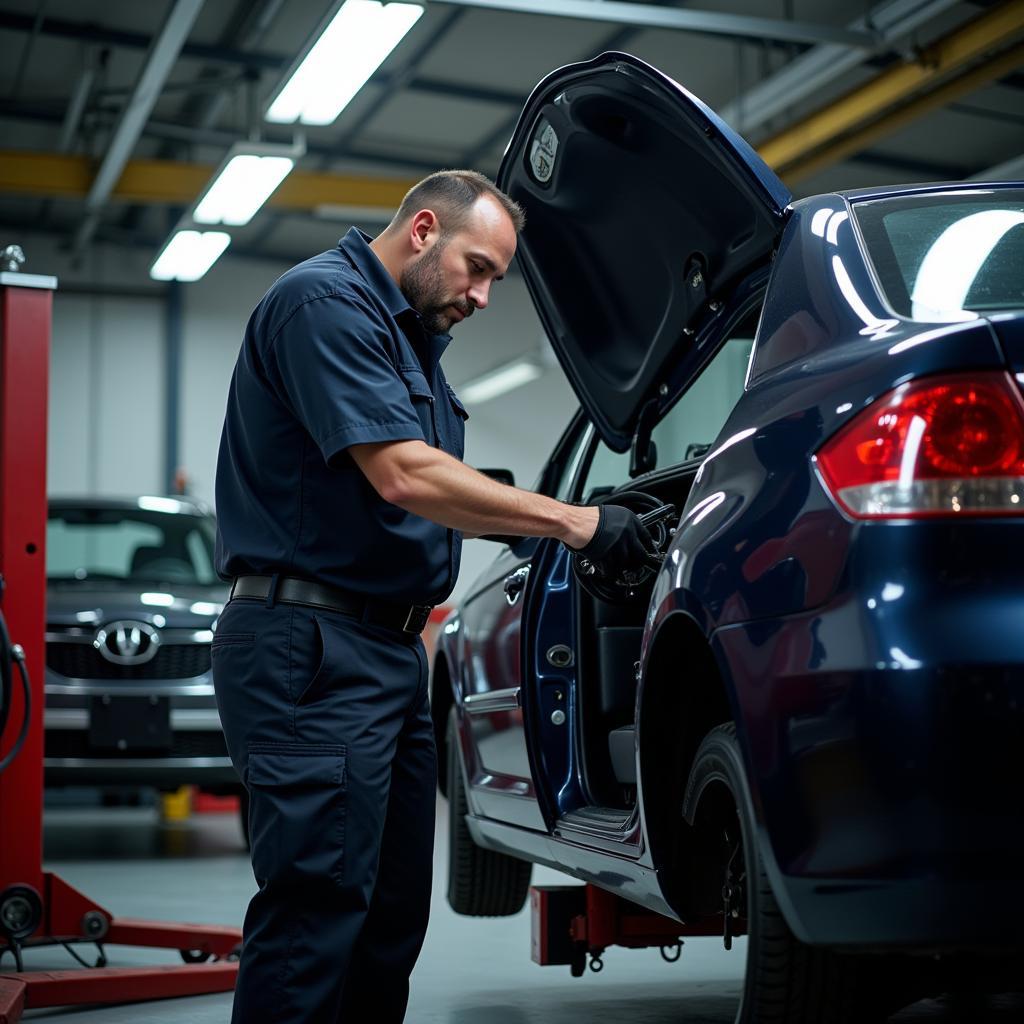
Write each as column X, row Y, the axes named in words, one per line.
column 573, row 922
column 36, row 906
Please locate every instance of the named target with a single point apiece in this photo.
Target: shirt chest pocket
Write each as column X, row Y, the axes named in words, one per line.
column 454, row 418
column 422, row 399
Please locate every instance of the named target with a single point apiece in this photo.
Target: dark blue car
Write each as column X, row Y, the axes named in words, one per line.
column 808, row 723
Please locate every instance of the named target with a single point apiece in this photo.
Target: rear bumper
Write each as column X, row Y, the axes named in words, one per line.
column 885, row 747
column 911, row 914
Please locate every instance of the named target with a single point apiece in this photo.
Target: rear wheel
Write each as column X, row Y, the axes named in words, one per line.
column 786, row 981
column 481, row 883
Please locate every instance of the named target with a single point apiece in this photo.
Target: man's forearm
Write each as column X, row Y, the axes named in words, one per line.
column 434, row 485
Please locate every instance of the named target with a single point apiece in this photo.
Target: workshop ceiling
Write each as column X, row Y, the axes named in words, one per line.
column 450, row 93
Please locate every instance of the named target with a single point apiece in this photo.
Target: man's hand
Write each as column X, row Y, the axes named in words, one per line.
column 620, row 542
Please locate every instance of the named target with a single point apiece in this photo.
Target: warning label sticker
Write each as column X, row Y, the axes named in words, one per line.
column 543, row 150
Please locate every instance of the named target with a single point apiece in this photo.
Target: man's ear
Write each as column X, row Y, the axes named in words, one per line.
column 423, row 225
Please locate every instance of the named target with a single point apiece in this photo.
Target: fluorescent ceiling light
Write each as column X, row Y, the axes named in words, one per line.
column 189, row 255
column 500, row 381
column 349, row 50
column 244, row 184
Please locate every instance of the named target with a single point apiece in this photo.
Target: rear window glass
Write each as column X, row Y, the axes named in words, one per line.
column 947, row 256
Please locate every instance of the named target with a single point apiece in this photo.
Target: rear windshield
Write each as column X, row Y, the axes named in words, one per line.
column 140, row 546
column 947, row 256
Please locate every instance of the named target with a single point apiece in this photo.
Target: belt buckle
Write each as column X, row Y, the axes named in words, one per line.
column 417, row 619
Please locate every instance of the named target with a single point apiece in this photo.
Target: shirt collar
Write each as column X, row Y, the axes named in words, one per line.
column 356, row 245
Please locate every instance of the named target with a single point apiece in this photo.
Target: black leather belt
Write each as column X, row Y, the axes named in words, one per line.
column 405, row 618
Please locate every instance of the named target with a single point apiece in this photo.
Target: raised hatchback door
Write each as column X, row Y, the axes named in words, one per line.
column 642, row 207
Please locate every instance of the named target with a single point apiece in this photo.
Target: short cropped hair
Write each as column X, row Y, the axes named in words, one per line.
column 451, row 194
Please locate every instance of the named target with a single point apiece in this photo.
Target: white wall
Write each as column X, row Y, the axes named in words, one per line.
column 106, row 375
column 107, row 393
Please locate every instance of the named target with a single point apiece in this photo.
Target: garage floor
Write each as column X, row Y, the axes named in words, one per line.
column 472, row 971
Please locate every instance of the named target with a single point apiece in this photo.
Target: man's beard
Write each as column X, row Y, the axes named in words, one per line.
column 422, row 284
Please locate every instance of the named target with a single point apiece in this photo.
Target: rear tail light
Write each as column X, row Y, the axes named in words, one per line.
column 933, row 447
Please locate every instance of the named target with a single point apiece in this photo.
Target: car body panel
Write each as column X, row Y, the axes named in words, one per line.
column 499, row 774
column 874, row 669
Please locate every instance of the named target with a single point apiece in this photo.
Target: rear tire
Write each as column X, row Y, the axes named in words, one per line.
column 481, row 883
column 786, row 981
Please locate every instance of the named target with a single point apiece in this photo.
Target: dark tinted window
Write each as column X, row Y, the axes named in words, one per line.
column 136, row 545
column 945, row 256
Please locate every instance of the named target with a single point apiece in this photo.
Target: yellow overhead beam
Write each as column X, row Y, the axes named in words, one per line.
column 170, row 182
column 974, row 41
column 944, row 95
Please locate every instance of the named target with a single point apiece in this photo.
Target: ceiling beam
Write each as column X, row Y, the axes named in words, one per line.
column 159, row 61
column 88, row 32
column 50, row 113
column 988, row 114
column 879, row 127
column 173, row 183
column 708, row 22
column 806, row 75
column 978, row 39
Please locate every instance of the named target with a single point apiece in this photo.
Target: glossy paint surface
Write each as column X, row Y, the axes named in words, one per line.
column 875, row 669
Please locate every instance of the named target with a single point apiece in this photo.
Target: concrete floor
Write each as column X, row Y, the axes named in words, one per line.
column 472, row 970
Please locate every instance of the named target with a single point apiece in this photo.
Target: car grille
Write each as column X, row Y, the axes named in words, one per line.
column 75, row 743
column 172, row 661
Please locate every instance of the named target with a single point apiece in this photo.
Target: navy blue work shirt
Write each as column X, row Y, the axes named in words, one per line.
column 334, row 356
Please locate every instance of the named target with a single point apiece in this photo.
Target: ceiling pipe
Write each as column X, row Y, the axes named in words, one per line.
column 880, row 127
column 857, row 110
column 159, row 61
column 808, row 74
column 709, row 22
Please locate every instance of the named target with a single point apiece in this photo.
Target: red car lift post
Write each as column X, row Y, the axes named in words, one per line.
column 36, row 906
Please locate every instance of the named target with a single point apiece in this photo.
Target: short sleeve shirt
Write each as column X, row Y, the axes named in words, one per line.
column 334, row 356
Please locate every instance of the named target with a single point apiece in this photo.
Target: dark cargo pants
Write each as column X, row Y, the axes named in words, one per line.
column 328, row 725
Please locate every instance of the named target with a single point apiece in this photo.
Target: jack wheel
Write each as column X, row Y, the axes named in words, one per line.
column 21, row 911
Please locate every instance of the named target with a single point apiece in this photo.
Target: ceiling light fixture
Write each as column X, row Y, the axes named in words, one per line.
column 189, row 255
column 244, row 181
column 500, row 381
column 352, row 43
column 241, row 187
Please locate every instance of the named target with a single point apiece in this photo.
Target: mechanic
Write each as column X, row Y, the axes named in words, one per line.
column 342, row 501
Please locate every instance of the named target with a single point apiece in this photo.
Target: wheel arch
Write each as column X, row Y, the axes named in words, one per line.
column 683, row 696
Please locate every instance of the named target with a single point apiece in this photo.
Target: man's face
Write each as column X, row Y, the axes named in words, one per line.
column 452, row 276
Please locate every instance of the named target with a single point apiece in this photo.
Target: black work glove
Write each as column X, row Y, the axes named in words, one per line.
column 620, row 542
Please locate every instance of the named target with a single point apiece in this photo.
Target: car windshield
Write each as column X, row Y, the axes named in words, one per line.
column 129, row 545
column 947, row 255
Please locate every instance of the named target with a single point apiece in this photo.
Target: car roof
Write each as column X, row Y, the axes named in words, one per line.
column 891, row 191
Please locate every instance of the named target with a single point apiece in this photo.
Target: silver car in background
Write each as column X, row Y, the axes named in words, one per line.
column 132, row 604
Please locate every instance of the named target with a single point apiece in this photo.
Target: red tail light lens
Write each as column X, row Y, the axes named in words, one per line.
column 939, row 446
